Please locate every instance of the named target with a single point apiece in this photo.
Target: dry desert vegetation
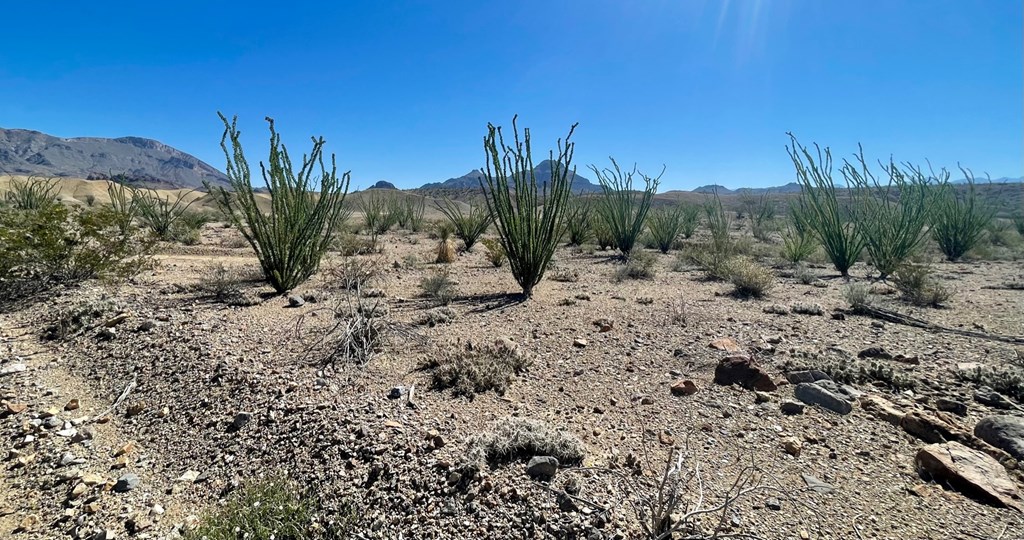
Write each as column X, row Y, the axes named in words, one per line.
column 519, row 362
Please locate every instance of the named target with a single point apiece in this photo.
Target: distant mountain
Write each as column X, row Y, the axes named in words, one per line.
column 542, row 171
column 984, row 180
column 143, row 161
column 713, row 188
column 383, row 184
column 792, row 187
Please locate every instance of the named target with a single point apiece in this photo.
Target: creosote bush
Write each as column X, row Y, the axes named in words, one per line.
column 529, row 216
column 622, row 210
column 473, row 369
column 293, row 237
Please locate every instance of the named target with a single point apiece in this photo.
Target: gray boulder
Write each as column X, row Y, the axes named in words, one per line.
column 1003, row 432
column 828, row 396
column 542, row 467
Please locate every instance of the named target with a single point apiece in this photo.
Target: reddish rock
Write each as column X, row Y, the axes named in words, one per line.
column 742, row 370
column 726, row 344
column 970, row 472
column 684, row 388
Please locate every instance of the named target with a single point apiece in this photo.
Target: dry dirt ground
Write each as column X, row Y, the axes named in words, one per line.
column 191, row 364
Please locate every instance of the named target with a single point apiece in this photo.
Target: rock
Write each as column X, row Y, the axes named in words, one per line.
column 147, row 325
column 882, row 409
column 816, row 394
column 817, row 485
column 71, row 405
column 126, row 482
column 16, row 408
column 125, row 449
column 742, row 370
column 684, row 388
column 188, row 477
column 762, row 397
column 295, row 301
column 792, row 446
column 791, row 408
column 958, row 408
column 11, row 369
column 116, row 320
column 931, row 428
column 106, row 333
column 969, row 471
column 542, row 467
column 1003, row 432
column 647, row 400
column 806, row 376
column 135, row 409
column 988, row 396
column 239, row 421
column 726, row 344
column 579, row 343
column 773, row 504
column 397, row 392
column 604, row 325
column 875, row 352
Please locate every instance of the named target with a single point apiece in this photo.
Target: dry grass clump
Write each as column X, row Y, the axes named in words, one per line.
column 359, row 331
column 750, row 279
column 564, row 275
column 494, row 252
column 436, row 316
column 518, row 438
column 225, row 283
column 640, row 265
column 354, row 273
column 917, row 286
column 472, row 369
column 439, row 286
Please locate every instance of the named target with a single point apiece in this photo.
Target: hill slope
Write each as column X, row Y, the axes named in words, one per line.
column 143, row 161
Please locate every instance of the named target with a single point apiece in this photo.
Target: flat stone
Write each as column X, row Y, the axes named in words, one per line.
column 958, row 408
column 815, row 394
column 806, row 376
column 882, row 409
column 817, row 485
column 126, row 482
column 970, row 472
column 11, row 369
column 542, row 467
column 684, row 388
column 295, row 300
column 988, row 396
column 791, row 408
column 239, row 421
column 1003, row 432
column 726, row 344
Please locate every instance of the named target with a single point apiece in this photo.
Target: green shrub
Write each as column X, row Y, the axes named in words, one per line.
column 161, row 214
column 958, row 220
column 530, row 219
column 291, row 240
column 713, row 259
column 718, row 222
column 579, row 221
column 379, row 212
column 797, row 245
column 820, row 209
column 32, row 193
column 438, row 285
column 917, row 286
column 1018, row 224
column 468, row 226
column 748, row 278
column 858, row 296
column 891, row 216
column 622, row 210
column 665, row 225
column 761, row 212
column 639, row 266
column 495, row 252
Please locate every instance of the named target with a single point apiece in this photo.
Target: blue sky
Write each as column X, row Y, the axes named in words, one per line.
column 403, row 91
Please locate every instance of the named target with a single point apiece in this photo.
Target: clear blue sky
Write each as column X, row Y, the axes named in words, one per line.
column 403, row 91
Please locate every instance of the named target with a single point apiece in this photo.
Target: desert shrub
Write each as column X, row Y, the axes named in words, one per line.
column 804, row 308
column 804, row 275
column 124, row 207
column 33, row 193
column 82, row 316
column 439, row 286
column 761, row 212
column 291, row 240
column 473, row 369
column 436, row 316
column 622, row 210
column 521, row 438
column 349, row 244
column 1007, row 380
column 360, row 329
column 467, row 226
column 161, row 213
column 797, row 245
column 531, row 218
column 1018, row 224
column 639, row 266
column 690, row 219
column 858, row 296
column 379, row 212
column 958, row 219
column 1000, row 233
column 564, row 275
column 820, row 209
column 355, row 273
column 271, row 508
column 846, row 370
column 918, row 286
column 891, row 215
column 55, row 245
column 494, row 252
column 712, row 258
column 749, row 279
column 579, row 221
column 665, row 225
column 718, row 221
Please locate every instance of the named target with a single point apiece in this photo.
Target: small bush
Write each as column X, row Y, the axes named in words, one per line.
column 603, row 234
column 349, row 245
column 761, row 211
column 690, row 219
column 713, row 259
column 471, row 369
column 520, row 438
column 797, row 244
column 439, row 286
column 495, row 252
column 379, row 212
column 750, row 279
column 804, row 274
column 223, row 283
column 718, row 222
column 467, row 226
column 82, row 316
column 270, row 509
column 33, row 193
column 639, row 266
column 355, row 273
column 161, row 214
column 917, row 286
column 858, row 296
column 564, row 275
column 958, row 220
column 1018, row 224
column 436, row 316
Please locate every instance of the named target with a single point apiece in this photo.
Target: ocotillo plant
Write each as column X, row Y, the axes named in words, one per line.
column 958, row 220
column 761, row 213
column 161, row 213
column 890, row 216
column 529, row 216
column 468, row 225
column 33, row 193
column 691, row 219
column 623, row 210
column 291, row 240
column 665, row 225
column 718, row 223
column 123, row 205
column 819, row 206
column 578, row 220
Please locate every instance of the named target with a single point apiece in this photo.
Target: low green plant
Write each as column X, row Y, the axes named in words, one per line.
column 439, row 286
column 160, row 213
column 621, row 209
column 690, row 219
column 858, row 296
column 495, row 252
column 665, row 224
column 919, row 287
column 293, row 237
column 959, row 219
column 410, row 213
column 380, row 212
column 33, row 193
column 749, row 279
column 469, row 225
column 602, row 233
column 798, row 242
column 639, row 266
column 820, row 208
column 1018, row 224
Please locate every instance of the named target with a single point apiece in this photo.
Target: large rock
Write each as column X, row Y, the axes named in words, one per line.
column 1003, row 432
column 938, row 427
column 742, row 370
column 882, row 409
column 542, row 467
column 969, row 471
column 988, row 396
column 824, row 395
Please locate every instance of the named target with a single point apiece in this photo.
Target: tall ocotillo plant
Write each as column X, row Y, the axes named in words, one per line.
column 578, row 220
column 958, row 220
column 291, row 240
column 665, row 225
column 819, row 207
column 623, row 210
column 529, row 232
column 469, row 226
column 891, row 217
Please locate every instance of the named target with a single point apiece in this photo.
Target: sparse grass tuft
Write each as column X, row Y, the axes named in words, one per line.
column 439, row 286
column 919, row 287
column 750, row 279
column 495, row 252
column 520, row 438
column 639, row 266
column 858, row 296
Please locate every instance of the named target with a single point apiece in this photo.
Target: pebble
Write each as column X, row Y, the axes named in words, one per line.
column 126, row 482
